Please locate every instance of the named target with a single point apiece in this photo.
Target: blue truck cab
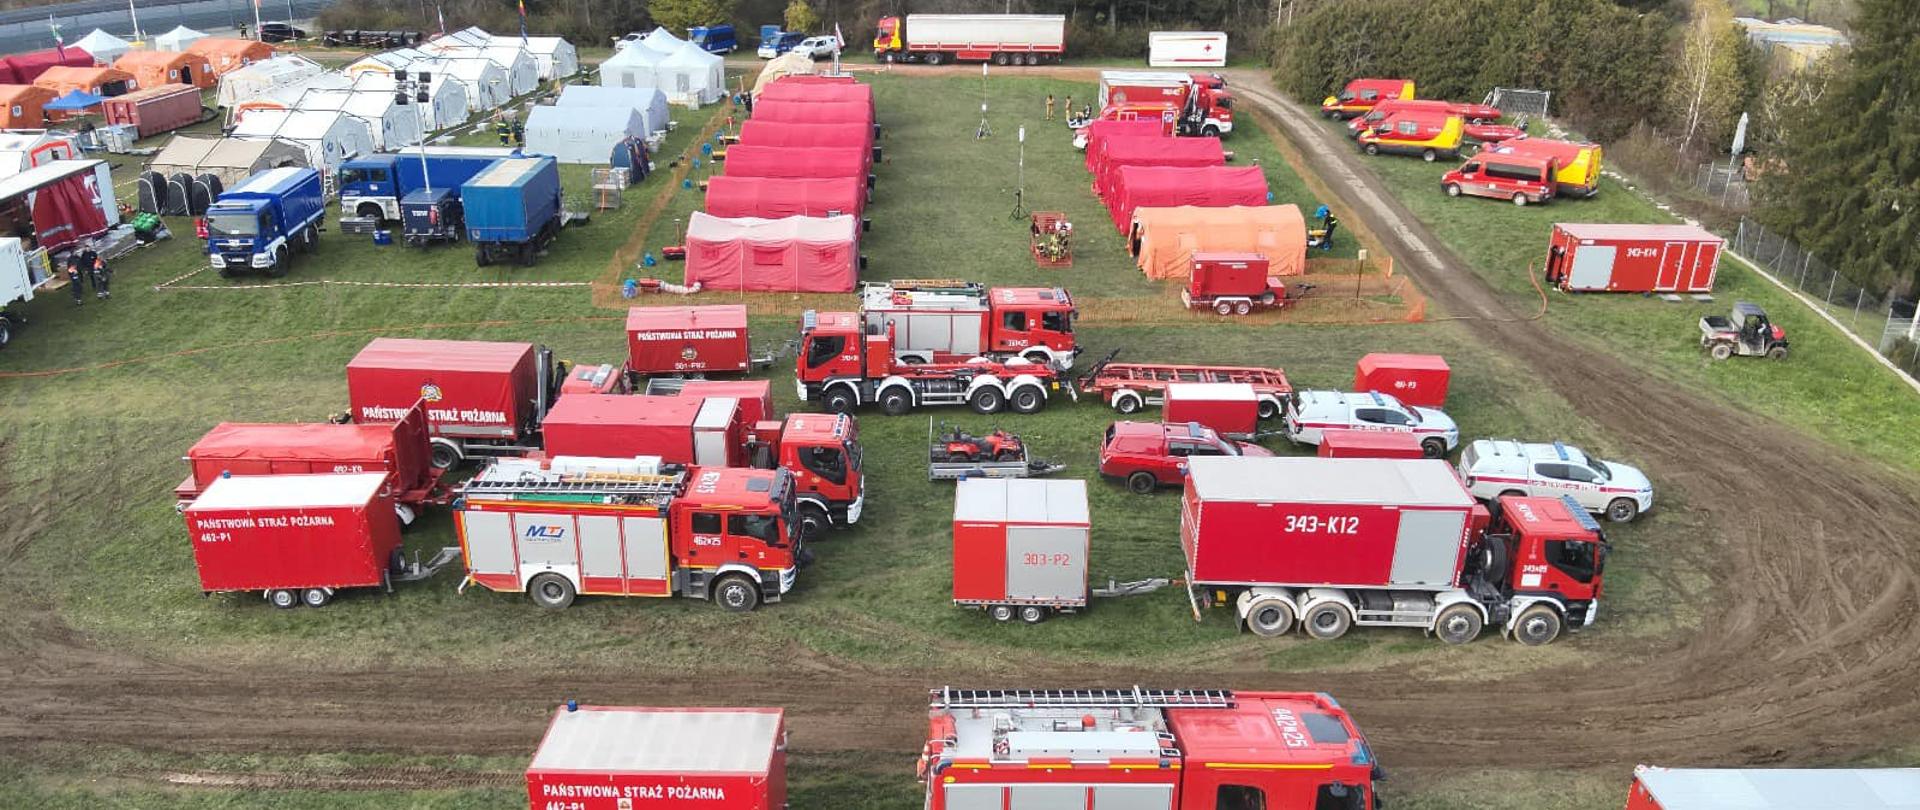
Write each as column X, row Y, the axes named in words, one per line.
column 713, row 38
column 371, row 187
column 512, row 209
column 776, row 42
column 258, row 224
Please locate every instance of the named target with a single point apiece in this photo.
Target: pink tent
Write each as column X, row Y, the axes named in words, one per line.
column 778, row 133
column 773, row 197
column 794, row 254
column 814, row 112
column 1151, row 150
column 1170, row 186
column 797, row 161
column 785, row 90
column 1099, row 131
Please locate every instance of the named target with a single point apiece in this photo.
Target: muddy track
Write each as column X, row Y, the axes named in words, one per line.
column 1805, row 653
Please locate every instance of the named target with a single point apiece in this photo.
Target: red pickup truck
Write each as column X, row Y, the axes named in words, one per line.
column 1147, row 455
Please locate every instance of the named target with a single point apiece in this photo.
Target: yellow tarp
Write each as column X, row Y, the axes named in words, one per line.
column 1163, row 240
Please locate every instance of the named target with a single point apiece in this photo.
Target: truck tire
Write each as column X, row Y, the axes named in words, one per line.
column 1001, row 613
column 1327, row 621
column 550, row 591
column 935, row 57
column 313, row 239
column 1622, row 510
column 481, row 257
column 1127, row 402
column 1519, row 200
column 1721, row 351
column 1428, row 155
column 1033, row 614
column 283, row 598
column 736, row 594
column 527, row 254
column 280, row 259
column 1269, row 409
column 1000, row 58
column 813, row 522
column 1452, row 189
column 6, row 331
column 1210, row 131
column 1028, row 399
column 444, row 456
column 316, row 597
column 1242, row 307
column 1223, row 307
column 1434, row 447
column 896, row 402
column 371, row 211
column 1537, row 626
column 888, row 57
column 839, row 399
column 987, row 400
column 1142, row 483
column 1270, row 617
column 1458, row 624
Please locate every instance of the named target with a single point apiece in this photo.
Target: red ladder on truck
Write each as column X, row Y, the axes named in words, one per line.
column 631, row 489
column 1135, row 698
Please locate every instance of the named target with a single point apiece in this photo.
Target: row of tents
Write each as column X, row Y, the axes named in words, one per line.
column 57, row 83
column 685, row 72
column 1173, row 197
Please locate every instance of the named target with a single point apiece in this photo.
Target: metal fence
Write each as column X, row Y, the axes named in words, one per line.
column 29, row 29
column 1880, row 318
column 1531, row 103
column 1725, row 183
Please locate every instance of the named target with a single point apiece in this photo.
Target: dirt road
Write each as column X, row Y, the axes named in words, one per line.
column 1806, row 654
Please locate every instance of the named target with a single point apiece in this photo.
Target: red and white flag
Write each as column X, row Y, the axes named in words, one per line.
column 839, row 42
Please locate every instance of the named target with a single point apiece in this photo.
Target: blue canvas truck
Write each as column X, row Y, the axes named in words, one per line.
column 713, row 38
column 512, row 209
column 371, row 187
column 258, row 224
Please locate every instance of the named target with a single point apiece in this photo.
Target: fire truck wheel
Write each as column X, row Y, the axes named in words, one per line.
column 1242, row 307
column 736, row 594
column 1777, row 353
column 550, row 591
column 1458, row 624
column 1269, row 409
column 316, row 597
column 896, row 402
column 888, row 57
column 1033, row 614
column 1126, row 402
column 935, row 57
column 813, row 522
column 1327, row 621
column 838, row 400
column 1622, row 510
column 1721, row 351
column 987, row 400
column 1141, row 483
column 1520, row 200
column 283, row 598
column 1028, row 400
column 1537, row 626
column 1001, row 613
column 1210, row 131
column 1270, row 617
column 1434, row 448
column 1223, row 307
column 444, row 456
column 1453, row 189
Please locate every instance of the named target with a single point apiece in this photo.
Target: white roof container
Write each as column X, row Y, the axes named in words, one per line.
column 1780, row 788
column 670, row 741
column 290, row 491
column 1021, row 500
column 1406, row 482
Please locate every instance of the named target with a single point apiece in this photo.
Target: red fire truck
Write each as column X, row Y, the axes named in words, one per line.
column 610, row 527
column 845, row 363
column 940, row 321
column 1329, row 543
column 823, row 453
column 1199, row 107
column 1164, row 749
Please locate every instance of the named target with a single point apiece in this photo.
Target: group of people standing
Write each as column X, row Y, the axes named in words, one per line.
column 86, row 268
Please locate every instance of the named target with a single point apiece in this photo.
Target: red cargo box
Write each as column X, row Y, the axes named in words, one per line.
column 675, row 340
column 680, row 430
column 1337, row 522
column 618, row 758
column 755, row 396
column 155, row 109
column 1019, row 542
column 1231, row 409
column 271, row 532
column 1369, row 444
column 473, row 388
column 400, row 450
column 1415, row 379
column 1217, row 274
column 1584, row 257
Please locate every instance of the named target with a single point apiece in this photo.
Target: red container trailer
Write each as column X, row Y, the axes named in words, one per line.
column 1369, row 444
column 1231, row 409
column 1774, row 788
column 629, row 758
column 154, row 110
column 1232, row 283
column 402, row 450
column 755, row 396
column 482, row 397
column 680, row 430
column 683, row 340
column 294, row 538
column 1414, row 379
column 1020, row 546
column 1584, row 257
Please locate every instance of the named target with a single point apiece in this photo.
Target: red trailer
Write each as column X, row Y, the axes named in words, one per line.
column 1231, row 409
column 294, row 538
column 1093, row 135
column 1414, row 379
column 1232, row 283
column 775, row 197
column 680, row 430
column 755, row 396
column 1369, row 444
column 1152, row 150
column 482, row 397
column 1169, row 186
column 627, row 758
column 687, row 339
column 402, row 450
column 1773, row 788
column 154, row 110
column 1128, row 387
column 755, row 132
column 1584, row 257
column 1020, row 546
column 798, row 162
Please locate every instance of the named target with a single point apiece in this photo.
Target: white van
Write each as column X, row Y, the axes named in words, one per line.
column 1495, row 467
column 1309, row 413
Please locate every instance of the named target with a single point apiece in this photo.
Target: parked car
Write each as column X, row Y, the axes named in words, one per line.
column 1495, row 467
column 817, row 47
column 280, row 32
column 1311, row 412
column 1147, row 455
column 1521, row 178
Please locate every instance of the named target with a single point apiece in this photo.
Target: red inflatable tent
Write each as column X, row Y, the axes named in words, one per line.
column 28, row 66
column 778, row 133
column 797, row 161
column 1099, row 131
column 1169, row 186
column 794, row 254
column 814, row 112
column 784, row 90
column 1152, row 150
column 775, row 197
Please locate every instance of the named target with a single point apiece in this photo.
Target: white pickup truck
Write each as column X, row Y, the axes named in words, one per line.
column 1495, row 467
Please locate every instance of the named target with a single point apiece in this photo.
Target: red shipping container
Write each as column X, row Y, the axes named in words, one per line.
column 237, row 448
column 1583, row 257
column 1334, row 522
column 1020, row 542
column 1369, row 444
column 755, row 396
column 1231, row 409
column 155, row 109
column 676, row 340
column 1414, row 379
column 680, row 430
column 625, row 758
column 473, row 388
column 273, row 532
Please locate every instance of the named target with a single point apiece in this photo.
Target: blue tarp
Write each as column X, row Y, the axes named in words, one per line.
column 75, row 100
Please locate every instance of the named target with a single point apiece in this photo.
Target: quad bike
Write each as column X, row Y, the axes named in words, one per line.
column 956, row 444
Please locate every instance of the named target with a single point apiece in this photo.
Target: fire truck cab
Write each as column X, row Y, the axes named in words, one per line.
column 823, row 453
column 1144, row 749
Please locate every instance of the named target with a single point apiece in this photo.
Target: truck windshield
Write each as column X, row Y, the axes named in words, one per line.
column 853, row 455
column 1601, row 468
column 822, row 348
column 238, row 223
column 351, row 176
column 764, row 528
column 1057, row 321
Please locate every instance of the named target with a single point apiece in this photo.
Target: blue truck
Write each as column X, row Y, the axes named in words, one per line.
column 371, row 187
column 512, row 209
column 258, row 224
column 713, row 38
column 774, row 41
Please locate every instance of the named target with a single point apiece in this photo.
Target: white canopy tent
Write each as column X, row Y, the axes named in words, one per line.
column 662, row 41
column 581, row 134
column 648, row 101
column 692, row 76
column 261, row 78
column 485, row 82
column 523, row 73
column 446, row 98
column 386, row 61
column 631, row 66
column 103, row 47
column 329, row 137
column 472, row 36
column 393, row 125
column 178, row 39
column 287, row 97
column 556, row 57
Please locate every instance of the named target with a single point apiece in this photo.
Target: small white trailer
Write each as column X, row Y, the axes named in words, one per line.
column 1187, row 49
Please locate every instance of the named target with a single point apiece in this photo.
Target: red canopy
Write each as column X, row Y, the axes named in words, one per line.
column 68, row 210
column 775, row 197
column 754, row 132
column 784, row 90
column 1169, row 186
column 1099, row 131
column 28, row 66
column 1151, row 150
column 814, row 112
column 797, row 162
column 795, row 254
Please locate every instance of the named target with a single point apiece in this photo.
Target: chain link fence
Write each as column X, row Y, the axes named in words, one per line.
column 1882, row 319
column 1725, row 183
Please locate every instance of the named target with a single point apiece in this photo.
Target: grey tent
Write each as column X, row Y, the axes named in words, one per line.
column 229, row 159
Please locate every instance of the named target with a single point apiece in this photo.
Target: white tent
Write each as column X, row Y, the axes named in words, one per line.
column 485, row 82
column 329, row 137
column 648, row 101
column 581, row 134
column 446, row 98
column 662, row 41
column 692, row 76
column 630, row 67
column 387, row 61
column 287, row 97
column 104, row 47
column 555, row 56
column 472, row 36
column 523, row 73
column 261, row 78
column 393, row 125
column 178, row 39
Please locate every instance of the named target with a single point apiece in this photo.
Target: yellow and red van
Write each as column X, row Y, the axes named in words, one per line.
column 1360, row 95
column 1578, row 164
column 1428, row 134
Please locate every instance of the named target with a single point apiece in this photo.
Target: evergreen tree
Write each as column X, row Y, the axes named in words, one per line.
column 801, row 17
column 679, row 15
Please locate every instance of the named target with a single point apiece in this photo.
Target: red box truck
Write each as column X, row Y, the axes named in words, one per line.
column 755, row 396
column 1369, row 444
column 683, row 340
column 1231, row 409
column 1020, row 546
column 294, row 538
column 401, row 450
column 680, row 430
column 1414, row 379
column 1584, row 257
column 628, row 758
column 482, row 397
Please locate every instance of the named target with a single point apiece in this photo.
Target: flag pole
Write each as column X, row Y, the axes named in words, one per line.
column 256, row 19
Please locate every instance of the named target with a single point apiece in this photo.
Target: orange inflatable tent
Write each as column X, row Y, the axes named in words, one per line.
column 155, row 68
column 100, row 81
column 23, row 106
column 225, row 54
column 1163, row 240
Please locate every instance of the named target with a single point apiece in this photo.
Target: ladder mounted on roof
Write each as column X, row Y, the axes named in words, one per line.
column 656, row 489
column 1135, row 698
